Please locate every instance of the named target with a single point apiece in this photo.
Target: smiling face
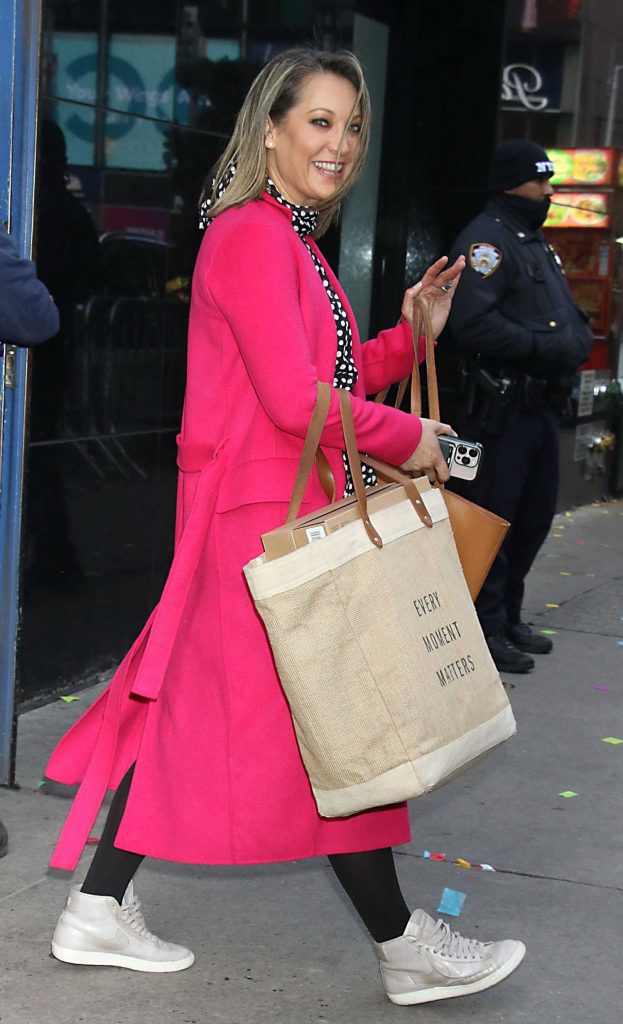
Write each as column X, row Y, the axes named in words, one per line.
column 312, row 151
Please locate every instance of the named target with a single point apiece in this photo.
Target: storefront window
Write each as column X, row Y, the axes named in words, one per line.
column 137, row 102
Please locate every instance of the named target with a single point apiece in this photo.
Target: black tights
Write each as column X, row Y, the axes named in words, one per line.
column 368, row 878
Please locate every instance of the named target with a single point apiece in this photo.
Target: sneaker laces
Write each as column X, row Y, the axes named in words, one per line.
column 133, row 916
column 443, row 940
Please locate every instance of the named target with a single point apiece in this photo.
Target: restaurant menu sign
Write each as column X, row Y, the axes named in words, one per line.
column 579, row 210
column 592, row 168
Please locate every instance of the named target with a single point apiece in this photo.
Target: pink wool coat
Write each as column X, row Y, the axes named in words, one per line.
column 197, row 703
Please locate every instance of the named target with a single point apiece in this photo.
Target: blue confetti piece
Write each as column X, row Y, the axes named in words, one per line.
column 426, row 854
column 620, row 643
column 451, row 902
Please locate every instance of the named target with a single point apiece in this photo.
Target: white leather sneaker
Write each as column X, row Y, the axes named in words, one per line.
column 429, row 961
column 96, row 930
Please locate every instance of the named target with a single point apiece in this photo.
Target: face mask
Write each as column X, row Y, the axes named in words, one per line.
column 531, row 212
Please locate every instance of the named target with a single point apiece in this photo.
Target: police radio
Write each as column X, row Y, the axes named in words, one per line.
column 462, row 457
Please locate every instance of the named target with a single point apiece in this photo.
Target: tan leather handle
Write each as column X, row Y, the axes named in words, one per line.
column 395, row 475
column 421, row 324
column 310, row 447
column 348, row 425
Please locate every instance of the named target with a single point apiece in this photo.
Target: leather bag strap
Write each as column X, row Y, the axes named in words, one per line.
column 310, row 447
column 396, row 476
column 421, row 324
column 348, row 425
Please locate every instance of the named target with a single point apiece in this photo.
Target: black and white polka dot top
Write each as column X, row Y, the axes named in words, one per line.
column 304, row 220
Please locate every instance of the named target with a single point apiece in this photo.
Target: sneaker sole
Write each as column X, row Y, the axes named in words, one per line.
column 94, row 959
column 504, row 667
column 429, row 995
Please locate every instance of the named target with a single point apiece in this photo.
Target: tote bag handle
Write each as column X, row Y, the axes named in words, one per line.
column 421, row 324
column 310, row 447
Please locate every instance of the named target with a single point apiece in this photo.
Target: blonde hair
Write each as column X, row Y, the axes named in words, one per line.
column 272, row 94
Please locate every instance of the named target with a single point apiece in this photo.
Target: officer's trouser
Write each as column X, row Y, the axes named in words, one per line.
column 519, row 481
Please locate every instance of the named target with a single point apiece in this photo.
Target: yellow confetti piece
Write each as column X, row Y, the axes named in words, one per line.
column 460, row 863
column 565, row 573
column 69, row 700
column 552, row 605
column 567, row 793
column 614, row 740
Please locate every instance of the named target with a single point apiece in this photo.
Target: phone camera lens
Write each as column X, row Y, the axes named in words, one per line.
column 462, row 449
column 473, row 452
column 465, row 460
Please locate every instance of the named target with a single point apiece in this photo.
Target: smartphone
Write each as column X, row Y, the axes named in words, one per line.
column 463, row 457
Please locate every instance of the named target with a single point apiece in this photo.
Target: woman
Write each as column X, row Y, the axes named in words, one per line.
column 194, row 732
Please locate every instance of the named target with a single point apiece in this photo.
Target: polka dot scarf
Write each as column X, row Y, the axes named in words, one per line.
column 304, row 220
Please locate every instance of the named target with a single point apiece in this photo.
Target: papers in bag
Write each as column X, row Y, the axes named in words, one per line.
column 326, row 521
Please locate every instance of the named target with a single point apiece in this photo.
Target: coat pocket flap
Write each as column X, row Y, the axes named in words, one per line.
column 248, row 483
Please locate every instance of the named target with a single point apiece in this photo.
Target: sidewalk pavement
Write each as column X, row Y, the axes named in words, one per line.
column 279, row 944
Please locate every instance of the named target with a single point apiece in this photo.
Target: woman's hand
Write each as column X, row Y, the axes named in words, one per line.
column 427, row 459
column 437, row 287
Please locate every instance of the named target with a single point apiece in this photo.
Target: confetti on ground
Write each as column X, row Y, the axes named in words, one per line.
column 603, row 689
column 579, row 542
column 567, row 793
column 549, row 632
column 69, row 700
column 92, row 840
column 614, row 740
column 620, row 643
column 460, row 862
column 565, row 574
column 40, row 783
column 451, row 902
column 551, row 605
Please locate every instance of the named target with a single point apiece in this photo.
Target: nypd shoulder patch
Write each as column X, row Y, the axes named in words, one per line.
column 484, row 258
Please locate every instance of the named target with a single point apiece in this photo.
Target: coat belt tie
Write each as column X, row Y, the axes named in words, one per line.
column 150, row 653
column 210, row 464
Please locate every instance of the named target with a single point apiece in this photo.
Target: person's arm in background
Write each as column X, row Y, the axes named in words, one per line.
column 27, row 312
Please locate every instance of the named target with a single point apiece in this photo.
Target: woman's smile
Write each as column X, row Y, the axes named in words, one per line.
column 312, row 151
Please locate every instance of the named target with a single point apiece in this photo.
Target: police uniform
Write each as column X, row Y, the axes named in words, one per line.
column 523, row 338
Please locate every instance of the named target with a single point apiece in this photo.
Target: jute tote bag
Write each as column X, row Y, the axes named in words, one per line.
column 375, row 638
column 478, row 533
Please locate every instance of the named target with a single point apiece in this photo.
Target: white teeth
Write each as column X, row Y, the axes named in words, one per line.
column 326, row 166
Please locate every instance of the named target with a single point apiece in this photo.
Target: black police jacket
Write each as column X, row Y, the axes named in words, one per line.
column 513, row 304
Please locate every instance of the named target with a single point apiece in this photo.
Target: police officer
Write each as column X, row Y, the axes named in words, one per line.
column 523, row 338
